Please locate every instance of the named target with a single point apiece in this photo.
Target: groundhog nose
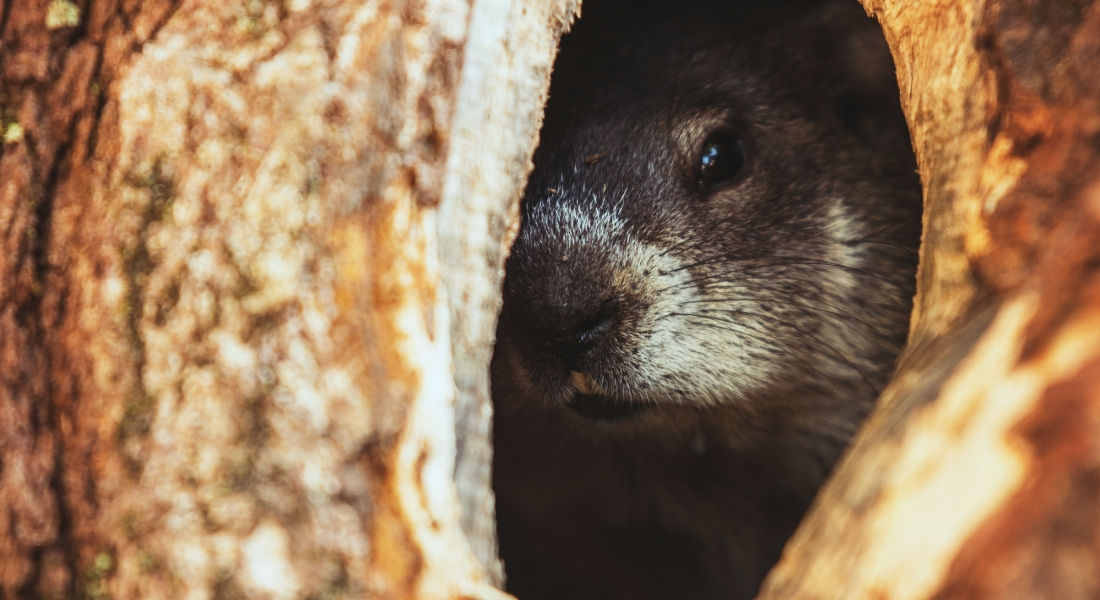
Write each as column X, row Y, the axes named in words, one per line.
column 590, row 331
column 573, row 344
column 569, row 332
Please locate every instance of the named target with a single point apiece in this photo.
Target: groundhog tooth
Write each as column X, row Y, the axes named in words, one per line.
column 582, row 382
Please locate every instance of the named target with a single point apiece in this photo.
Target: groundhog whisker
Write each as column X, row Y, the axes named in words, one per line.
column 837, row 353
column 842, row 316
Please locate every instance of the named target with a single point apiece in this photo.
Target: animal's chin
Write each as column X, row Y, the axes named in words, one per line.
column 597, row 407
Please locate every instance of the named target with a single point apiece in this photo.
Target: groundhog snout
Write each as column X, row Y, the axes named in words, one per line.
column 565, row 311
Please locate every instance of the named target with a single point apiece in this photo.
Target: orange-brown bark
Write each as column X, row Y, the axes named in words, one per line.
column 225, row 343
column 975, row 477
column 240, row 301
column 57, row 122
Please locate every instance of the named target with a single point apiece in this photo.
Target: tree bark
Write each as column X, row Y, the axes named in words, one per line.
column 251, row 254
column 977, row 474
column 250, row 271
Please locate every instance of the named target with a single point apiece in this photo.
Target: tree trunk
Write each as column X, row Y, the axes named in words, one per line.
column 250, row 270
column 978, row 475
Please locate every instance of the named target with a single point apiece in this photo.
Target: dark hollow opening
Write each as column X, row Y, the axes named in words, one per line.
column 711, row 286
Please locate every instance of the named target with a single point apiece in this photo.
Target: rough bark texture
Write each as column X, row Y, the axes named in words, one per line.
column 978, row 475
column 498, row 107
column 230, row 240
column 249, row 270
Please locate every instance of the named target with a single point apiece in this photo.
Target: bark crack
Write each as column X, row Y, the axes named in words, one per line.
column 45, row 416
column 5, row 13
column 173, row 7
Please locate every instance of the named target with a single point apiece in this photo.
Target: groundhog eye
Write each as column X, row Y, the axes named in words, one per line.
column 721, row 160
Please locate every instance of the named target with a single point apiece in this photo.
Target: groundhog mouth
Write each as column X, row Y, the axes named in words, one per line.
column 602, row 408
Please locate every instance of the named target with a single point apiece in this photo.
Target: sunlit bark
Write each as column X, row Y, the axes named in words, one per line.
column 234, row 235
column 976, row 476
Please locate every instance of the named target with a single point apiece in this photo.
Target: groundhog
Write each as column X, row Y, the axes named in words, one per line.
column 711, row 284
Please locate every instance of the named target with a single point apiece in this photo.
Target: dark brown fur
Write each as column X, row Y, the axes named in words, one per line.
column 678, row 368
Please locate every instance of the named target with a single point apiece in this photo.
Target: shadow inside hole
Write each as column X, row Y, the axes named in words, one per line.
column 727, row 190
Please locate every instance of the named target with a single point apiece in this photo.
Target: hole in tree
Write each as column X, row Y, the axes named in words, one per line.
column 736, row 180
